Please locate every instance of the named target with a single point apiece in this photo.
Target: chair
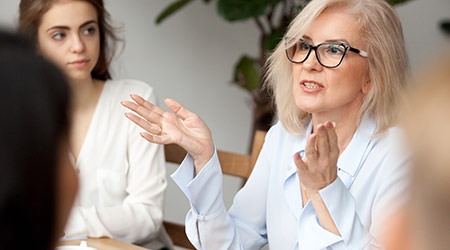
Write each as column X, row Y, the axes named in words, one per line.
column 239, row 165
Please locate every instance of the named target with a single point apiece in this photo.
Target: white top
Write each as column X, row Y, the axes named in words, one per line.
column 371, row 182
column 122, row 176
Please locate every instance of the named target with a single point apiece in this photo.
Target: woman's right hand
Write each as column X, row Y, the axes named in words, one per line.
column 183, row 128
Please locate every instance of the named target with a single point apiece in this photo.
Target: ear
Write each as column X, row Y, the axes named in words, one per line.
column 366, row 85
column 397, row 235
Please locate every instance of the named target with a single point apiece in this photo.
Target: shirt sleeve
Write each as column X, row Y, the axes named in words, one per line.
column 208, row 224
column 139, row 216
column 341, row 204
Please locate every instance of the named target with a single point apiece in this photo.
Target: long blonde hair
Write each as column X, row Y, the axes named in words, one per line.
column 387, row 63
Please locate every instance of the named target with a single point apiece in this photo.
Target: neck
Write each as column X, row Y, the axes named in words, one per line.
column 85, row 93
column 345, row 122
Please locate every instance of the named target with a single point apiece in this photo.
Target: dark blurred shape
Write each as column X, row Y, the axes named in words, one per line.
column 445, row 26
column 34, row 104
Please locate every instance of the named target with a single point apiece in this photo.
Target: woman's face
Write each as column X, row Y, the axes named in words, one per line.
column 69, row 36
column 333, row 91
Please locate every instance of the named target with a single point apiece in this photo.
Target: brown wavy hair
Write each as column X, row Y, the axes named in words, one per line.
column 30, row 16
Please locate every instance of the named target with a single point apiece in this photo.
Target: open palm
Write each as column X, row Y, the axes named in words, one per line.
column 181, row 127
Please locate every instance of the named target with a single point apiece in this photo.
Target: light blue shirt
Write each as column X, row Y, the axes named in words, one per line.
column 268, row 209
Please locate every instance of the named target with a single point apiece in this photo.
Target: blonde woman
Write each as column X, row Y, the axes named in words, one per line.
column 328, row 173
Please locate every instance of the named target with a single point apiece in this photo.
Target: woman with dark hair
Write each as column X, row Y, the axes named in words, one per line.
column 38, row 183
column 122, row 178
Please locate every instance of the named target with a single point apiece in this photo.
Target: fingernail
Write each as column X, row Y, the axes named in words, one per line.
column 301, row 153
column 334, row 124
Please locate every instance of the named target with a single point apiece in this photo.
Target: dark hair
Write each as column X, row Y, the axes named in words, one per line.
column 34, row 103
column 30, row 16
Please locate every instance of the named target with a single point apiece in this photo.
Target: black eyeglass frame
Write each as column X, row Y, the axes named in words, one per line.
column 312, row 47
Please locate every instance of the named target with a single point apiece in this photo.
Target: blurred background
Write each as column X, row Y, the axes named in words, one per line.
column 191, row 57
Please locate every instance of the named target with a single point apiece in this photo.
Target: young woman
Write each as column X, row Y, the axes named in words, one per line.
column 328, row 173
column 122, row 178
column 38, row 183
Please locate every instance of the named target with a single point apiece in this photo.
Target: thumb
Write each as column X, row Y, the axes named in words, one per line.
column 299, row 161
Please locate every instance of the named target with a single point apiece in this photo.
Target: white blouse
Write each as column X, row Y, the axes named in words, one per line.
column 268, row 210
column 122, row 176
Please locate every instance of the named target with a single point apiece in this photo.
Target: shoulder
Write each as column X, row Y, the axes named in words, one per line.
column 392, row 138
column 279, row 136
column 131, row 85
column 125, row 87
column 390, row 148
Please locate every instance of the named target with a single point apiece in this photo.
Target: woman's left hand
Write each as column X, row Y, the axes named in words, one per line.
column 319, row 167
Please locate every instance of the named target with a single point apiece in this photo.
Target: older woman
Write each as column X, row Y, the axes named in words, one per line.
column 328, row 173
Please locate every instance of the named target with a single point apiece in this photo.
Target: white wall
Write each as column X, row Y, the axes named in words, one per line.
column 190, row 56
column 423, row 36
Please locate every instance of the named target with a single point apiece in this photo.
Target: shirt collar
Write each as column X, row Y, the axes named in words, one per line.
column 349, row 161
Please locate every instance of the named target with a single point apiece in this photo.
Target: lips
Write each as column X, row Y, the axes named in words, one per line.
column 311, row 86
column 79, row 63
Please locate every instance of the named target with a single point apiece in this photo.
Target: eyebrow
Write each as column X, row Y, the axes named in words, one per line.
column 67, row 27
column 339, row 40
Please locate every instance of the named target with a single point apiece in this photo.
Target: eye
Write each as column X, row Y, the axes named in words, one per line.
column 58, row 36
column 302, row 45
column 90, row 31
column 334, row 49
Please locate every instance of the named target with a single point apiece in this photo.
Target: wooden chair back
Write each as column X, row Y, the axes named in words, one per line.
column 239, row 165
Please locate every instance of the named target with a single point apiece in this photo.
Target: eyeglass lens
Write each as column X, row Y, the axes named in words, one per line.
column 329, row 54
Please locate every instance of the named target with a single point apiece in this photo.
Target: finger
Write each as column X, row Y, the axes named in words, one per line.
column 146, row 113
column 310, row 150
column 146, row 125
column 141, row 101
column 323, row 145
column 299, row 162
column 332, row 138
column 178, row 108
column 158, row 139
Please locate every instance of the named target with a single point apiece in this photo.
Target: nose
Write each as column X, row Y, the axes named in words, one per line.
column 77, row 45
column 312, row 63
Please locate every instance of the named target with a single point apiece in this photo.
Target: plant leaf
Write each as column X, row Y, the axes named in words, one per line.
column 273, row 40
column 445, row 26
column 169, row 10
column 394, row 2
column 237, row 10
column 246, row 73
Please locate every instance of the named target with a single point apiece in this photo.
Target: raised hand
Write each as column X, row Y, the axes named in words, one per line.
column 319, row 167
column 181, row 127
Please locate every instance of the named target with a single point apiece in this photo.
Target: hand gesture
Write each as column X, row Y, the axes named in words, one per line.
column 319, row 167
column 181, row 127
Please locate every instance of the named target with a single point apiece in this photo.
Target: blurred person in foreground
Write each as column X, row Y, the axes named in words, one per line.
column 38, row 183
column 424, row 222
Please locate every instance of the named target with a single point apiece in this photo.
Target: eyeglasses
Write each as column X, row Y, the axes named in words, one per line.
column 329, row 55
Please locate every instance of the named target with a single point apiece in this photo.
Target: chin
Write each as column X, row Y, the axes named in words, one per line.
column 80, row 77
column 306, row 107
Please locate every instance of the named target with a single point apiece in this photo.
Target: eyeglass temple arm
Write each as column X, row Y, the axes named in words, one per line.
column 360, row 52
